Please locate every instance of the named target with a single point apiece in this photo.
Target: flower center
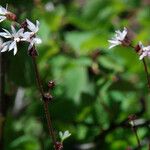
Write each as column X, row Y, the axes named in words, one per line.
column 17, row 39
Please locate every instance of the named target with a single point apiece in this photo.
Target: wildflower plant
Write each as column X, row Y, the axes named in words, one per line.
column 27, row 32
column 122, row 38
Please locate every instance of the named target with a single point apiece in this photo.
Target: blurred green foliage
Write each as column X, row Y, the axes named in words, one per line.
column 96, row 88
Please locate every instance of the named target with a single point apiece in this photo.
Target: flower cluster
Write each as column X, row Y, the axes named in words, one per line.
column 121, row 38
column 26, row 33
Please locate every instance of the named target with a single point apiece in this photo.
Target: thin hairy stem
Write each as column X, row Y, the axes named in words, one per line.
column 38, row 80
column 47, row 114
column 146, row 71
column 49, row 122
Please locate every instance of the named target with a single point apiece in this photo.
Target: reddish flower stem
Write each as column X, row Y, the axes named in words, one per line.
column 146, row 71
column 47, row 114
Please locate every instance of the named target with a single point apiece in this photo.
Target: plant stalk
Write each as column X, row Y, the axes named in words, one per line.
column 146, row 71
column 2, row 95
column 136, row 135
column 47, row 114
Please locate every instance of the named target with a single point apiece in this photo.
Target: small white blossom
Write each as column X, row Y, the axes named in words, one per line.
column 144, row 51
column 32, row 39
column 15, row 37
column 64, row 135
column 31, row 36
column 118, row 38
column 3, row 13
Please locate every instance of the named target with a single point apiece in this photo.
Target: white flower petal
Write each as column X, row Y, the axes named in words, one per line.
column 13, row 30
column 6, row 31
column 37, row 40
column 37, row 26
column 141, row 57
column 146, row 48
column 12, row 45
column 5, row 48
column 114, row 42
column 118, row 38
column 26, row 36
column 2, row 18
column 15, row 49
column 3, row 11
column 5, row 35
column 144, row 51
column 30, row 26
column 30, row 46
column 20, row 31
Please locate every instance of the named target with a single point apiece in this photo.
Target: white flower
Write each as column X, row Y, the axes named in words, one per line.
column 14, row 37
column 32, row 39
column 31, row 36
column 118, row 38
column 144, row 51
column 3, row 13
column 32, row 27
column 64, row 135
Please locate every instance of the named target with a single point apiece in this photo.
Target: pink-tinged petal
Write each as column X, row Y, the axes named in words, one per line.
column 142, row 56
column 147, row 48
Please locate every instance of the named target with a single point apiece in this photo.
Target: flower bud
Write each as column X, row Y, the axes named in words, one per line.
column 132, row 117
column 24, row 25
column 47, row 97
column 11, row 16
column 58, row 146
column 51, row 84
